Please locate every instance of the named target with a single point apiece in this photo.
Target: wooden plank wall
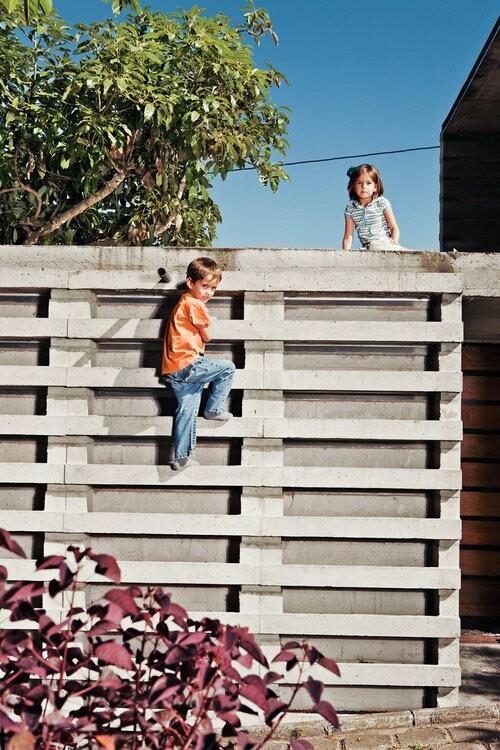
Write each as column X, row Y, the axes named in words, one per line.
column 327, row 508
column 480, row 501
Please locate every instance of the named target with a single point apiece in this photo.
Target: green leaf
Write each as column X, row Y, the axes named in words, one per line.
column 195, row 116
column 149, row 110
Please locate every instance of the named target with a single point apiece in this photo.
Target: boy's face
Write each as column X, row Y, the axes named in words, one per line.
column 203, row 289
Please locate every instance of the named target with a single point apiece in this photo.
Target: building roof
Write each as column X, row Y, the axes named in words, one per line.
column 477, row 107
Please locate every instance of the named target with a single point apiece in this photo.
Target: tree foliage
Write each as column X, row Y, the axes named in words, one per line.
column 113, row 132
column 26, row 10
column 132, row 670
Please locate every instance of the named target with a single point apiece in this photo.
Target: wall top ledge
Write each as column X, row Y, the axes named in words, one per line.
column 480, row 271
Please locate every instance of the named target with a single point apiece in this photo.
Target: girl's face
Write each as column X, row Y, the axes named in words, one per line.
column 365, row 188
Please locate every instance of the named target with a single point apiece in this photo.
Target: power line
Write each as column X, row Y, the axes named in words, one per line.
column 349, row 156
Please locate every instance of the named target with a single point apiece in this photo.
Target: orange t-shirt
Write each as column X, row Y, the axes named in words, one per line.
column 183, row 341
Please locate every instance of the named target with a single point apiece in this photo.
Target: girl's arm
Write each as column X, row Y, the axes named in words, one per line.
column 393, row 227
column 348, row 233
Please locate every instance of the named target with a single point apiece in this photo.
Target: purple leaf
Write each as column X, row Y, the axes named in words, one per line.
column 7, row 542
column 114, row 653
column 301, row 745
column 21, row 592
column 123, row 599
column 290, row 644
column 53, row 561
column 245, row 742
column 276, row 707
column 66, row 576
column 329, row 664
column 206, row 741
column 231, row 719
column 285, row 656
column 314, row 688
column 271, row 677
column 193, row 639
column 255, row 695
column 7, row 723
column 106, row 565
column 251, row 647
column 327, row 711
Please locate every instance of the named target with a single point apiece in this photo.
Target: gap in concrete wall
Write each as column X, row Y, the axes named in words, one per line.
column 367, row 650
column 354, row 552
column 369, row 504
column 24, row 304
column 368, row 453
column 159, row 305
column 346, row 405
column 354, row 601
column 356, row 699
column 25, row 352
column 206, row 500
column 165, row 548
column 24, row 449
column 330, row 306
column 20, row 497
column 23, row 400
column 146, row 402
column 193, row 598
column 155, row 451
column 326, row 356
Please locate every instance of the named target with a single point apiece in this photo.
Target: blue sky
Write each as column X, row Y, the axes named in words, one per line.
column 363, row 77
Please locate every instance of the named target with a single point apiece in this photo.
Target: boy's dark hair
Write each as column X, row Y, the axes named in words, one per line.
column 354, row 172
column 200, row 268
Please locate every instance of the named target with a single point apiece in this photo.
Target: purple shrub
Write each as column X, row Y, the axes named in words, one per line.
column 132, row 670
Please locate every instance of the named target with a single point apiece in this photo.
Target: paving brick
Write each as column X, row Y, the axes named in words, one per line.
column 462, row 746
column 325, row 743
column 478, row 731
column 423, row 736
column 369, row 741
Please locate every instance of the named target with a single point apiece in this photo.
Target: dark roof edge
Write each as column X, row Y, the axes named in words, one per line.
column 472, row 74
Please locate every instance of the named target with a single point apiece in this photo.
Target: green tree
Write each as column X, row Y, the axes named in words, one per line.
column 29, row 9
column 113, row 132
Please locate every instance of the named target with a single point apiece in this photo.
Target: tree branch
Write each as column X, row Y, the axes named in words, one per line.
column 171, row 218
column 27, row 189
column 34, row 237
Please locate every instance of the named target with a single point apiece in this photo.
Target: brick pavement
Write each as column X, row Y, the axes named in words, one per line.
column 463, row 728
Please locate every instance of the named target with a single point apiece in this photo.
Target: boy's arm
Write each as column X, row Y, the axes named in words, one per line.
column 207, row 333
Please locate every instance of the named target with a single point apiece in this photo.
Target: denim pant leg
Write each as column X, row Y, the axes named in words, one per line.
column 187, row 384
column 220, row 373
column 188, row 397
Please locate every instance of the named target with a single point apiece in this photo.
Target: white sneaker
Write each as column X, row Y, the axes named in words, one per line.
column 183, row 463
column 222, row 417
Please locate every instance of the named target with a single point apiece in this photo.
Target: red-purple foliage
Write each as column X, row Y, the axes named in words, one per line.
column 133, row 670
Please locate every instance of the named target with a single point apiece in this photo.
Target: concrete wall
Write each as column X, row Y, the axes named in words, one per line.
column 328, row 508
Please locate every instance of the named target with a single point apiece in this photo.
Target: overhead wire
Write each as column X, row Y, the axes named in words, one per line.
column 339, row 158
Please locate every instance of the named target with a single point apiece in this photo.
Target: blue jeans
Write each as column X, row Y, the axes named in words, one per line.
column 187, row 385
